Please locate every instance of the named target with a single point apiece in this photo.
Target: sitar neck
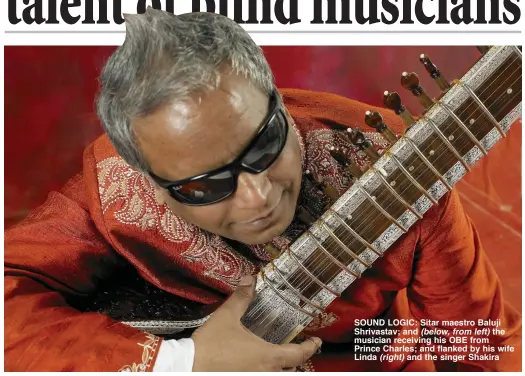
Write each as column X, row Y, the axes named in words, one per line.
column 422, row 166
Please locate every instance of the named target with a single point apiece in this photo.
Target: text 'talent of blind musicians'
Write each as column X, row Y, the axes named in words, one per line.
column 285, row 12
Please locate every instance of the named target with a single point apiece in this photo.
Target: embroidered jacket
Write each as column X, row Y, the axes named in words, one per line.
column 108, row 216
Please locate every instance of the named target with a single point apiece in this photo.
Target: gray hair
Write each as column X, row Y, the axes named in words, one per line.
column 167, row 58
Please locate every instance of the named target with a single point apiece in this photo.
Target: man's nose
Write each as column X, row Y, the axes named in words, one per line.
column 253, row 190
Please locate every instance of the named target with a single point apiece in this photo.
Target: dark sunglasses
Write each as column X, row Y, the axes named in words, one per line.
column 217, row 185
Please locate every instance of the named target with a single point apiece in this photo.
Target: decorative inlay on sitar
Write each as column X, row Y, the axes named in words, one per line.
column 391, row 194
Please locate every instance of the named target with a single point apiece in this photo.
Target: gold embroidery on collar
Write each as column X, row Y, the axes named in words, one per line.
column 131, row 197
column 149, row 347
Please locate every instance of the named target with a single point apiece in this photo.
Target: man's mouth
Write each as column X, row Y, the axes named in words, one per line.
column 263, row 218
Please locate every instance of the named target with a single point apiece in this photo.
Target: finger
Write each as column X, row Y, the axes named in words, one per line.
column 294, row 355
column 237, row 304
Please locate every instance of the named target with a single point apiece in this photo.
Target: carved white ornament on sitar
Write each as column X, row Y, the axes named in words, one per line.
column 421, row 166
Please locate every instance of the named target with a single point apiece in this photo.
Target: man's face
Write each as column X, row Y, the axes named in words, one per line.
column 186, row 139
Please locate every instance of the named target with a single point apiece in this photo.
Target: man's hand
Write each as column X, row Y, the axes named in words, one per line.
column 224, row 344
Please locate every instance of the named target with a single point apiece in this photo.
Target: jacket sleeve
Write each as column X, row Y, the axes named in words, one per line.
column 454, row 281
column 55, row 252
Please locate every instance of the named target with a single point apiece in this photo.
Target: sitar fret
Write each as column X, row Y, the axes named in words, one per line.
column 401, row 183
column 338, row 239
column 322, row 266
column 495, row 93
column 396, row 196
column 348, row 229
column 429, row 169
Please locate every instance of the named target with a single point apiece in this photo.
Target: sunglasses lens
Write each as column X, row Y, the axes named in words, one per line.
column 265, row 149
column 270, row 143
column 205, row 191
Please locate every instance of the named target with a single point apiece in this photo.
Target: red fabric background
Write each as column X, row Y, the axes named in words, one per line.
column 49, row 119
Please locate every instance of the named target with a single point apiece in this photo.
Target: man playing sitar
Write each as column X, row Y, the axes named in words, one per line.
column 209, row 175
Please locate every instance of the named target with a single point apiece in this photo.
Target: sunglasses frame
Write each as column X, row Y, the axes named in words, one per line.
column 237, row 165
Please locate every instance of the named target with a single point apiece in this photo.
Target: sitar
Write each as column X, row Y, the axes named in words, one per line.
column 394, row 191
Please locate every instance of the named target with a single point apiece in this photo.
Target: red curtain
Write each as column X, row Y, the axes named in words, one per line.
column 49, row 119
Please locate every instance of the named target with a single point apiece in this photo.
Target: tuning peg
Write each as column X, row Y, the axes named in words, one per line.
column 340, row 129
column 375, row 120
column 330, row 191
column 344, row 136
column 272, row 250
column 392, row 100
column 305, row 217
column 311, row 179
column 359, row 139
column 315, row 200
column 323, row 186
column 483, row 49
column 410, row 81
column 434, row 72
column 352, row 168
